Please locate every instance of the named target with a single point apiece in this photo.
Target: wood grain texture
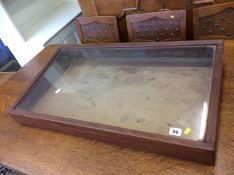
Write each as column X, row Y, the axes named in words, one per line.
column 4, row 76
column 214, row 22
column 88, row 7
column 37, row 151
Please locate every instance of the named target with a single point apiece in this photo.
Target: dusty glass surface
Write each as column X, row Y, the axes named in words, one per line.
column 162, row 90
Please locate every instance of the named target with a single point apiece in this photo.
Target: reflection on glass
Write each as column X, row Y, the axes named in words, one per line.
column 157, row 90
column 203, row 121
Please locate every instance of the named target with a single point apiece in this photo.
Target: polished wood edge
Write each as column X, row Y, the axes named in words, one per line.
column 117, row 130
column 159, row 144
column 40, row 73
column 152, row 14
column 199, row 2
column 105, row 19
column 144, row 44
column 215, row 95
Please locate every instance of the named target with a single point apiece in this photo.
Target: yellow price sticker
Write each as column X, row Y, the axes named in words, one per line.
column 187, row 131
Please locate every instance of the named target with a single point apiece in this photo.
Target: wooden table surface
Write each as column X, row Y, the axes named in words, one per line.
column 4, row 76
column 41, row 152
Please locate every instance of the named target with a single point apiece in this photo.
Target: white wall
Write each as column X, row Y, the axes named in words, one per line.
column 25, row 13
column 15, row 7
column 11, row 37
column 27, row 25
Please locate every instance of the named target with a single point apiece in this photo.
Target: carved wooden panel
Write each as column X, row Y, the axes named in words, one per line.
column 214, row 22
column 97, row 29
column 157, row 26
column 117, row 7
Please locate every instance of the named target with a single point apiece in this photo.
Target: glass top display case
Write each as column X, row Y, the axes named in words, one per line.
column 161, row 97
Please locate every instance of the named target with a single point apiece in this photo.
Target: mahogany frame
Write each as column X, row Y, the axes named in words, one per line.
column 202, row 152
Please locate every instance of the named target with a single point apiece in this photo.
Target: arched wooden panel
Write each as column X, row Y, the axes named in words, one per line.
column 98, row 29
column 157, row 26
column 214, row 22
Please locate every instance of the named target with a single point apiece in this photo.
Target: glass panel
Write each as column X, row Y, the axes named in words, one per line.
column 162, row 90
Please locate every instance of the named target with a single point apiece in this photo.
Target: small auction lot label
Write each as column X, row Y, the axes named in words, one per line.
column 175, row 131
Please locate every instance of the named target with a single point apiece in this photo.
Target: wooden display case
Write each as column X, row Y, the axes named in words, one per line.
column 161, row 97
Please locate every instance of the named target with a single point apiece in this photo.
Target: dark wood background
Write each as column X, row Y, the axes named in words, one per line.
column 115, row 8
